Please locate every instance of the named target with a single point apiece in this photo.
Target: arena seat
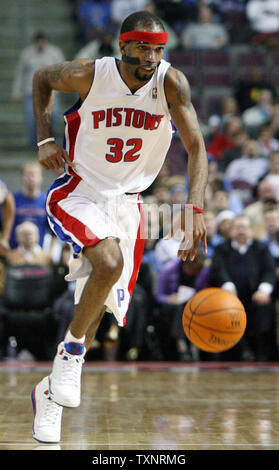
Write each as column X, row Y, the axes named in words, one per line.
column 215, row 59
column 26, row 310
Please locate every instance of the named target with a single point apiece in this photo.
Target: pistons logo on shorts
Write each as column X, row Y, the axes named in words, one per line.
column 120, row 296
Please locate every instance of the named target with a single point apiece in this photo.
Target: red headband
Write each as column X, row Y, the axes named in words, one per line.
column 145, row 36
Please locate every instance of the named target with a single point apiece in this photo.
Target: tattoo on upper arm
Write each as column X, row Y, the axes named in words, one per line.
column 66, row 71
column 183, row 92
column 56, row 73
column 183, row 96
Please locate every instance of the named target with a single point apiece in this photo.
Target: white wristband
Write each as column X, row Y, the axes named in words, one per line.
column 50, row 139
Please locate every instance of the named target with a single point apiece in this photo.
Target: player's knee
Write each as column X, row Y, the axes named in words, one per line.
column 112, row 267
column 106, row 259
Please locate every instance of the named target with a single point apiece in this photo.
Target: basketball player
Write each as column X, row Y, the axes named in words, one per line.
column 116, row 139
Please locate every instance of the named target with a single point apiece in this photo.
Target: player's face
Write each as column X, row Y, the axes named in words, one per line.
column 149, row 56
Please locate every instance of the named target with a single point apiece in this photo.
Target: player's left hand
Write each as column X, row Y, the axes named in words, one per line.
column 194, row 233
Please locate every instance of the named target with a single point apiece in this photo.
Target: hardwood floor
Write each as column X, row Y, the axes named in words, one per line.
column 151, row 406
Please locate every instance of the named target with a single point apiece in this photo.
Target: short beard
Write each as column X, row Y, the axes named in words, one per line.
column 143, row 78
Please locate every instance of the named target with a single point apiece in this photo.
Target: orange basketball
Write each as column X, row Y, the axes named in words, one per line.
column 214, row 320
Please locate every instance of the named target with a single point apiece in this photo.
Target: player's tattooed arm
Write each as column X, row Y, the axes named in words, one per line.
column 178, row 94
column 67, row 77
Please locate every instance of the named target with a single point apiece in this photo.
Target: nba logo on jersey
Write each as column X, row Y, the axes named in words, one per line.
column 154, row 93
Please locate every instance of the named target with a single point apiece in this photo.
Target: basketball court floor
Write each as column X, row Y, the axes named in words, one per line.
column 151, row 406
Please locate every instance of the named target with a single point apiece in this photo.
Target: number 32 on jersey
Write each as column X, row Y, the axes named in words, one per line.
column 123, row 151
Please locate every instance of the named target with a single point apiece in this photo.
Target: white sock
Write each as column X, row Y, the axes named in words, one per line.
column 69, row 338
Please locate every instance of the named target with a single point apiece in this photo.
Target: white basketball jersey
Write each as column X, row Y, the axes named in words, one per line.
column 118, row 140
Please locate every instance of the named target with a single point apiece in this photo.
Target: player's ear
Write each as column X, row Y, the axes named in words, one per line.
column 123, row 46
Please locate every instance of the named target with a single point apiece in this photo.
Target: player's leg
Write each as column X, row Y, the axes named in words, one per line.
column 107, row 264
column 92, row 330
column 64, row 381
column 47, row 413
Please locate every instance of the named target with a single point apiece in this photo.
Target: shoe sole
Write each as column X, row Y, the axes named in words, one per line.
column 33, row 400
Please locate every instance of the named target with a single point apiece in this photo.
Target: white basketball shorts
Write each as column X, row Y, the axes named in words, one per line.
column 81, row 217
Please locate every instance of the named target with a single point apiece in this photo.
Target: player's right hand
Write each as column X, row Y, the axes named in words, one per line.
column 53, row 157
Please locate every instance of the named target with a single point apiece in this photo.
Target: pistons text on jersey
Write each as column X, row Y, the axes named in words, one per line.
column 137, row 118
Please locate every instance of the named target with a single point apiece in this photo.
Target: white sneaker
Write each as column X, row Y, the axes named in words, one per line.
column 65, row 379
column 47, row 414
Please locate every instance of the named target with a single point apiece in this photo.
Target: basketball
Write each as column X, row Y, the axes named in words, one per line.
column 214, row 320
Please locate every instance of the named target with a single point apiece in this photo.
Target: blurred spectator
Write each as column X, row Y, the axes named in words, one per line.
column 160, row 184
column 121, row 9
column 224, row 224
column 166, row 250
column 213, row 171
column 178, row 282
column 221, row 184
column 173, row 41
column 208, row 197
column 220, row 201
column 28, row 250
column 213, row 238
column 271, row 224
column 266, row 199
column 7, row 215
column 245, row 267
column 177, row 12
column 249, row 167
column 150, row 257
column 233, row 17
column 151, row 217
column 102, row 46
column 272, row 176
column 247, row 89
column 161, row 192
column 229, row 110
column 39, row 54
column 206, row 33
column 274, row 120
column 266, row 142
column 238, row 138
column 169, row 202
column 2, row 281
column 263, row 15
column 271, row 239
column 260, row 113
column 223, row 139
column 157, row 210
column 31, row 202
column 178, row 194
column 94, row 17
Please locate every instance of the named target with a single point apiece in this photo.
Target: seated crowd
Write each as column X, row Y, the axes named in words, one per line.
column 243, row 256
column 241, row 210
